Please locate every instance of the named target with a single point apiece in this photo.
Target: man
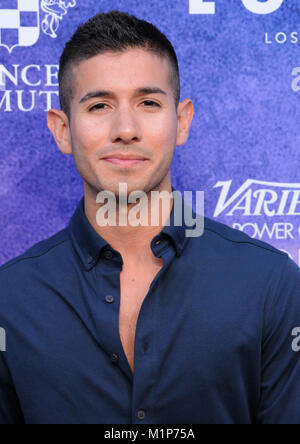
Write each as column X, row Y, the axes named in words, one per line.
column 142, row 324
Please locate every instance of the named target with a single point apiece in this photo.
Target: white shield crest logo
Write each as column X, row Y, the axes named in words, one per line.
column 19, row 23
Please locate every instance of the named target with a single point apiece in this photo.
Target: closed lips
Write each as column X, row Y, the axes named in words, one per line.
column 125, row 157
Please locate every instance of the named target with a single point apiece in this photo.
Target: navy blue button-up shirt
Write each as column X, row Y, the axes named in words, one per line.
column 216, row 338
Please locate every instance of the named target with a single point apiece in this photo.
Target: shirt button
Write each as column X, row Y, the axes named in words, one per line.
column 109, row 299
column 157, row 242
column 114, row 358
column 108, row 254
column 141, row 415
column 90, row 260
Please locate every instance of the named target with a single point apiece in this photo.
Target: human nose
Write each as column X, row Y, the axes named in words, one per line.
column 125, row 127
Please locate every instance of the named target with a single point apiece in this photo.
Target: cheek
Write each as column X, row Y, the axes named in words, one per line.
column 87, row 135
column 161, row 133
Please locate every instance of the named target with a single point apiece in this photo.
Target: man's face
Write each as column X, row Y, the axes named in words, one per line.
column 123, row 104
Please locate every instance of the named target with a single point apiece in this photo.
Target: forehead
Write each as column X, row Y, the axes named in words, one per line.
column 122, row 71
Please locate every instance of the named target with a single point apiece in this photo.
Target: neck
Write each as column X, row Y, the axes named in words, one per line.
column 132, row 242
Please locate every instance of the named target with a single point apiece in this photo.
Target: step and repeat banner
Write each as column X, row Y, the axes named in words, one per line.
column 239, row 62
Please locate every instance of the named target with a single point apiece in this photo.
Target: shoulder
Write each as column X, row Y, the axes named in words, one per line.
column 42, row 251
column 230, row 236
column 231, row 250
column 236, row 257
column 29, row 284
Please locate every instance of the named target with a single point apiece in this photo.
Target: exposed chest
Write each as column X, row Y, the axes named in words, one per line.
column 135, row 284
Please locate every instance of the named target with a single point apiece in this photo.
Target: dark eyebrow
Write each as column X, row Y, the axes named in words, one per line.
column 103, row 93
column 95, row 94
column 150, row 90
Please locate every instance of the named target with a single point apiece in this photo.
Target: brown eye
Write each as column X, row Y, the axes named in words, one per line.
column 150, row 103
column 98, row 106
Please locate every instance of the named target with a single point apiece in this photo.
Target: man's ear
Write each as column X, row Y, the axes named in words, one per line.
column 58, row 124
column 185, row 114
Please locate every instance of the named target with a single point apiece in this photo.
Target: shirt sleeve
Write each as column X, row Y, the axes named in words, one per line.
column 280, row 376
column 10, row 411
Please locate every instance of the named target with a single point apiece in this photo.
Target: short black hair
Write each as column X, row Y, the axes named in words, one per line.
column 113, row 31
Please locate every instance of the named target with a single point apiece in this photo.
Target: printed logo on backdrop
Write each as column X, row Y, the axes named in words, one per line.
column 254, row 6
column 20, row 20
column 21, row 24
column 55, row 11
column 268, row 211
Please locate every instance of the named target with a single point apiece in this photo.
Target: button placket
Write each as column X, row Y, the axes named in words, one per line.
column 108, row 254
column 109, row 299
column 141, row 414
column 114, row 358
column 145, row 346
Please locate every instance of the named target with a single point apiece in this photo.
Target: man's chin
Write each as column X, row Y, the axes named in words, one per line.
column 123, row 189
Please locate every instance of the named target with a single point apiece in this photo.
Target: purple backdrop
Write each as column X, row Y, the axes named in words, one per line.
column 242, row 70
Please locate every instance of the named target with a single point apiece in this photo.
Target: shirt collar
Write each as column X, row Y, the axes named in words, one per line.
column 89, row 244
column 176, row 232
